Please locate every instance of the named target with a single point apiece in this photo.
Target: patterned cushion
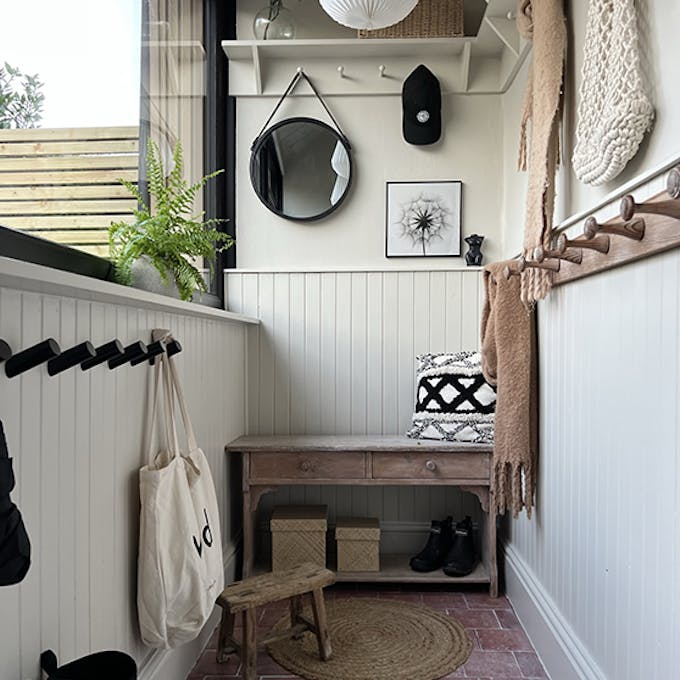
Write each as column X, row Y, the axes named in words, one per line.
column 453, row 400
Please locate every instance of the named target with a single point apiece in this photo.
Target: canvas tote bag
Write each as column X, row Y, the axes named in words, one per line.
column 180, row 569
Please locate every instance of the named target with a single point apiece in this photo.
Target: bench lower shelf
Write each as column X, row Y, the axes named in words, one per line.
column 395, row 569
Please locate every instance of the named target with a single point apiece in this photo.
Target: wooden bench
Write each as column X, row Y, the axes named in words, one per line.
column 270, row 462
column 246, row 596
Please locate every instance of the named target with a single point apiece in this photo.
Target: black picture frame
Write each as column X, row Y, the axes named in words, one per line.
column 452, row 203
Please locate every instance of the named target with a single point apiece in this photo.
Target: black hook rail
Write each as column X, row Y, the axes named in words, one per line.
column 83, row 354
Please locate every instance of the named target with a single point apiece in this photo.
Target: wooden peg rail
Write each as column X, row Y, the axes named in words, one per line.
column 623, row 240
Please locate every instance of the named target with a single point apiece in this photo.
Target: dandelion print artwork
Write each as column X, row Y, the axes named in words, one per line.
column 423, row 219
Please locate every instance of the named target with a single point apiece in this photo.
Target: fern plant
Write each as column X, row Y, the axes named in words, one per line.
column 166, row 231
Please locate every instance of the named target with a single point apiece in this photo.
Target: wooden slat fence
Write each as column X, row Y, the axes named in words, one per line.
column 63, row 184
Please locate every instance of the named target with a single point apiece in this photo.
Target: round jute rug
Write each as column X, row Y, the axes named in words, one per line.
column 378, row 640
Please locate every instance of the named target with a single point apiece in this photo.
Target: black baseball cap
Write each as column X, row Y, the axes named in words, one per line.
column 422, row 102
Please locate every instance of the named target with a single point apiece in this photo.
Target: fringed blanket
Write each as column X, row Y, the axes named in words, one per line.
column 509, row 362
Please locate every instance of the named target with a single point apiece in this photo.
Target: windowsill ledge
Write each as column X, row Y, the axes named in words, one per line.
column 48, row 281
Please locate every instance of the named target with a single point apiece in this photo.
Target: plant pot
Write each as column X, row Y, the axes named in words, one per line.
column 146, row 277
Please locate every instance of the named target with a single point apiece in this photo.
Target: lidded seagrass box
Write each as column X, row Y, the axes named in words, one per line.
column 358, row 543
column 298, row 535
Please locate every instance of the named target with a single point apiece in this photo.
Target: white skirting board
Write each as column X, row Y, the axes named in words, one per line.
column 563, row 654
column 176, row 664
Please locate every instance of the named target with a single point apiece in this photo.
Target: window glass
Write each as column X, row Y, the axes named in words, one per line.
column 84, row 86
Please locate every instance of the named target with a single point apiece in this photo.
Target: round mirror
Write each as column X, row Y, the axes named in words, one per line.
column 301, row 169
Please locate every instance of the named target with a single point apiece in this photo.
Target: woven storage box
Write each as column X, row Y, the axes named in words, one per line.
column 429, row 19
column 358, row 544
column 298, row 536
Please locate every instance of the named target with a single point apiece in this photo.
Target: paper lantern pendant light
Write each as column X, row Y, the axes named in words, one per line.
column 368, row 14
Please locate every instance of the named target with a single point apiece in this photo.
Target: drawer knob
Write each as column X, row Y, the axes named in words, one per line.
column 431, row 465
column 305, row 466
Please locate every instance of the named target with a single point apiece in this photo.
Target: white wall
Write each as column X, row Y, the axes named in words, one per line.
column 335, row 354
column 76, row 440
column 591, row 573
column 470, row 150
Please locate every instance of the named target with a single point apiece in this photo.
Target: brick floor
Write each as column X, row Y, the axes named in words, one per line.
column 501, row 649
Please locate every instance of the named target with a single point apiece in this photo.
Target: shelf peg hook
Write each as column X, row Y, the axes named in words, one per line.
column 381, row 70
column 341, row 71
column 299, row 69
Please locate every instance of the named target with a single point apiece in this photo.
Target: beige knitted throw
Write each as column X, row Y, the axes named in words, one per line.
column 542, row 22
column 509, row 363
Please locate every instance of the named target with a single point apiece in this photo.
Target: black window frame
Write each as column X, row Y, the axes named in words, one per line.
column 219, row 23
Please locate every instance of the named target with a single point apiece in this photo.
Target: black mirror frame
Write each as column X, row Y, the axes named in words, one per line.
column 301, row 119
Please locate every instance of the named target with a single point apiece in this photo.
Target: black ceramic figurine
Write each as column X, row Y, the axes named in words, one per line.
column 474, row 256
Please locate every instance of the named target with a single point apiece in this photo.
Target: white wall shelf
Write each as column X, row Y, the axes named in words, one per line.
column 484, row 64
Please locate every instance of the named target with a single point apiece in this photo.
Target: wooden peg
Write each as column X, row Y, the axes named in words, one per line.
column 573, row 256
column 634, row 229
column 508, row 272
column 550, row 265
column 599, row 243
column 673, row 183
column 629, row 207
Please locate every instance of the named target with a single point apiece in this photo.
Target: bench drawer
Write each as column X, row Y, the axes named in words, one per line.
column 431, row 466
column 307, row 466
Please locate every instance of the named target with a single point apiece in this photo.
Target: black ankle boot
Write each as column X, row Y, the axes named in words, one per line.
column 461, row 559
column 431, row 557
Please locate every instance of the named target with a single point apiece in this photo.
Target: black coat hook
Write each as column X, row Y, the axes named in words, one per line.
column 31, row 357
column 103, row 353
column 131, row 352
column 174, row 348
column 152, row 350
column 71, row 357
column 5, row 351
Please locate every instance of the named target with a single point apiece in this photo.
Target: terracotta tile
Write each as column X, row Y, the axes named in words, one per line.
column 416, row 598
column 508, row 618
column 207, row 665
column 530, row 665
column 444, row 600
column 474, row 618
column 267, row 666
column 505, row 640
column 482, row 664
column 483, row 601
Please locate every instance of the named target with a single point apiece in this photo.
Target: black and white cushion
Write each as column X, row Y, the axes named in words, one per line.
column 453, row 400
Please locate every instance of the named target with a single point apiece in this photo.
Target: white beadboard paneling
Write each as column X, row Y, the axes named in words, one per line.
column 337, row 356
column 76, row 440
column 604, row 543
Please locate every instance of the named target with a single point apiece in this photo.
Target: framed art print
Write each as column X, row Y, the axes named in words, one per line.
column 423, row 219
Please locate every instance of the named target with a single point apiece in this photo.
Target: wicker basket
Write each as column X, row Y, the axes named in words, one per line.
column 429, row 19
column 298, row 536
column 358, row 544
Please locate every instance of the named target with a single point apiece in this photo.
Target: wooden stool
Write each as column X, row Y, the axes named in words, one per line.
column 245, row 596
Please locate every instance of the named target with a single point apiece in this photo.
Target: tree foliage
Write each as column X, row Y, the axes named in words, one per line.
column 169, row 234
column 21, row 99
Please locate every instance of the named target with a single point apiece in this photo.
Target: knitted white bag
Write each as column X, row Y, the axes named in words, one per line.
column 614, row 111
